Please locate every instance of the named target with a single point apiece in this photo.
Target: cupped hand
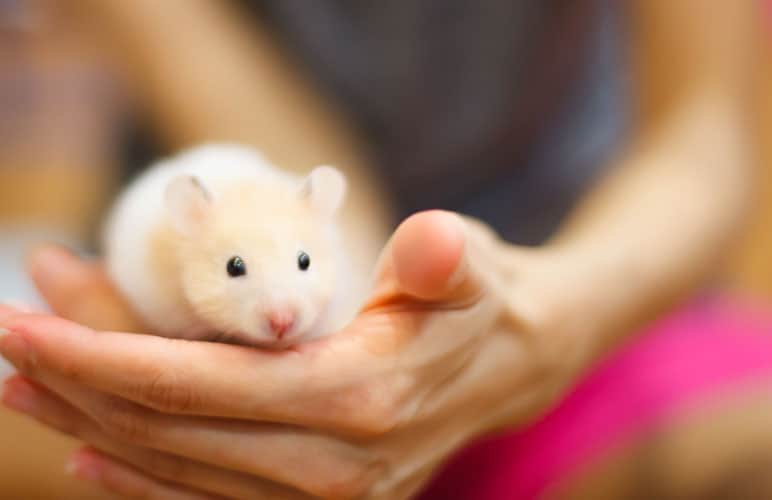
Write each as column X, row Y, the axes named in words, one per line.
column 454, row 341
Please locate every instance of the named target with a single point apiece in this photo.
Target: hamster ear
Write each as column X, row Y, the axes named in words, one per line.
column 187, row 203
column 325, row 188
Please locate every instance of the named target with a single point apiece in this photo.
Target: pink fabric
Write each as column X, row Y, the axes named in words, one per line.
column 767, row 6
column 711, row 348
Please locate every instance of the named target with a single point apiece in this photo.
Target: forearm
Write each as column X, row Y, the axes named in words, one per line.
column 653, row 229
column 656, row 227
column 206, row 74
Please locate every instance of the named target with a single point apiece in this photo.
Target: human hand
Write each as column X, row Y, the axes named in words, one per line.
column 80, row 290
column 458, row 338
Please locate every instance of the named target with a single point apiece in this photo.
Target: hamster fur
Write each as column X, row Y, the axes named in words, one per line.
column 212, row 243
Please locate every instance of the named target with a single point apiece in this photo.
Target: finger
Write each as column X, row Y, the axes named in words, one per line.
column 25, row 307
column 317, row 464
column 312, row 385
column 79, row 291
column 122, row 479
column 436, row 271
column 25, row 396
column 427, row 259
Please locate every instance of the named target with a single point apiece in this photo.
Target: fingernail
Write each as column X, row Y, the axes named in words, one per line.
column 459, row 275
column 462, row 269
column 84, row 465
column 15, row 349
column 23, row 307
column 4, row 387
column 70, row 467
column 4, row 333
column 18, row 396
column 44, row 258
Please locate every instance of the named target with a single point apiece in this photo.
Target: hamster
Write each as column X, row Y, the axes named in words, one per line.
column 215, row 243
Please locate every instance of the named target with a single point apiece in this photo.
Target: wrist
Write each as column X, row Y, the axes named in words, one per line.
column 584, row 299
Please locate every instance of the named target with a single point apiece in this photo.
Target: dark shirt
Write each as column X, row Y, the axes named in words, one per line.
column 504, row 110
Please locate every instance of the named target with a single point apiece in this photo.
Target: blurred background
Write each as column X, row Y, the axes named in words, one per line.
column 74, row 125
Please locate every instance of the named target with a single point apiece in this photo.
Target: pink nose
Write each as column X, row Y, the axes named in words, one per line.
column 281, row 321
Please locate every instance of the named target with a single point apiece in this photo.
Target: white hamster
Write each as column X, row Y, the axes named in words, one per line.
column 215, row 243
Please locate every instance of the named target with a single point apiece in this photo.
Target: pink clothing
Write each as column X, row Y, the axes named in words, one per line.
column 712, row 348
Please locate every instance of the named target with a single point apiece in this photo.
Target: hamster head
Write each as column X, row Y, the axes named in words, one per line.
column 258, row 260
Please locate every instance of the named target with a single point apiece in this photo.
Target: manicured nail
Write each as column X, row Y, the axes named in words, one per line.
column 84, row 465
column 459, row 275
column 462, row 268
column 70, row 467
column 4, row 332
column 14, row 348
column 46, row 261
column 23, row 307
column 18, row 396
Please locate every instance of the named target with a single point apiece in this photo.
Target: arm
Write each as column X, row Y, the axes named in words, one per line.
column 653, row 229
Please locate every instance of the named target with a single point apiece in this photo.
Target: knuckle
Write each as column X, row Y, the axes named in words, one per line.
column 342, row 490
column 70, row 370
column 69, row 426
column 165, row 392
column 118, row 484
column 73, row 428
column 353, row 485
column 374, row 424
column 144, row 491
column 167, row 467
column 123, row 422
column 373, row 410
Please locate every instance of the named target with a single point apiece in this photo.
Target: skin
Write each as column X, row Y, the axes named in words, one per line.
column 462, row 333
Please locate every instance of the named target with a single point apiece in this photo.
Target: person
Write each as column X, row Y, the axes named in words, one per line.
column 464, row 333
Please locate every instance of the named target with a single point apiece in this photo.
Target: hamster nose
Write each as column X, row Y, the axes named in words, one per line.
column 281, row 321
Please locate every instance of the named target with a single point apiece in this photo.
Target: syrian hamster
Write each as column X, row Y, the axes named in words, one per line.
column 216, row 243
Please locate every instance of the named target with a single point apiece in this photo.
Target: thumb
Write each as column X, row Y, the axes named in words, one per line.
column 79, row 290
column 428, row 259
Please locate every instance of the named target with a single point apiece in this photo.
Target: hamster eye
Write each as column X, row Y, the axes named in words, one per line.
column 236, row 267
column 303, row 261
